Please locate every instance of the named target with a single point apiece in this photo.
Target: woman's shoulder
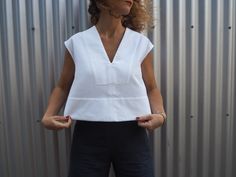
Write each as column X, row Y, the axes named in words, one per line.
column 138, row 36
column 83, row 33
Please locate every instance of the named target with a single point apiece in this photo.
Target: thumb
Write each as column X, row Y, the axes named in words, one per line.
column 68, row 123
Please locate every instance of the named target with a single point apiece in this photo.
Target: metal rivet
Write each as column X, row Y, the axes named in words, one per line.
column 192, row 26
column 229, row 27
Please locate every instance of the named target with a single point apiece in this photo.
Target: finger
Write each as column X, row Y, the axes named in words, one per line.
column 143, row 118
column 146, row 124
column 59, row 124
column 61, row 117
column 66, row 123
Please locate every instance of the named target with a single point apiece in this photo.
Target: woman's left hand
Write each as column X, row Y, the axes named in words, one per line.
column 151, row 121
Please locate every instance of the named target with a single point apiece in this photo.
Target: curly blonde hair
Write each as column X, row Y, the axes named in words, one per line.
column 138, row 19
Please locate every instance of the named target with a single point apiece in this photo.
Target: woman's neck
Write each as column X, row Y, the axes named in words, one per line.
column 109, row 25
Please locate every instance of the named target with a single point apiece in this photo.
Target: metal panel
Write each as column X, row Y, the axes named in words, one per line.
column 194, row 67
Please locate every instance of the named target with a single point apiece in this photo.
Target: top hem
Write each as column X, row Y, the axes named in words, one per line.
column 111, row 98
column 104, row 120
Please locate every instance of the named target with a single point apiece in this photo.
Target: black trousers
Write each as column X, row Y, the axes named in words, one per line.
column 96, row 145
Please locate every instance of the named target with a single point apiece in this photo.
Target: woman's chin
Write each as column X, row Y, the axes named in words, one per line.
column 125, row 12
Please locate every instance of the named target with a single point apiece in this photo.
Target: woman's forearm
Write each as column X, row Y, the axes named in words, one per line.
column 156, row 101
column 157, row 117
column 56, row 101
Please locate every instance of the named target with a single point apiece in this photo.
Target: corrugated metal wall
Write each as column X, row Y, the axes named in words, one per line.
column 195, row 68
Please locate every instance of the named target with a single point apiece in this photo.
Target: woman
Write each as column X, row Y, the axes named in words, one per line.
column 111, row 93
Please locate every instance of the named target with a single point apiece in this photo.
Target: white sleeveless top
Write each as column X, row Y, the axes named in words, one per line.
column 103, row 90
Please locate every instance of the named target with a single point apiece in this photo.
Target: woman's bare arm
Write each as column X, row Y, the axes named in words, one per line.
column 156, row 102
column 59, row 95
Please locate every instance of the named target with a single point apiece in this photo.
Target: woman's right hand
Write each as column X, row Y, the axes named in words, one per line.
column 56, row 122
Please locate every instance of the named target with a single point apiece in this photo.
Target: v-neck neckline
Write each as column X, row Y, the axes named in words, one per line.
column 103, row 47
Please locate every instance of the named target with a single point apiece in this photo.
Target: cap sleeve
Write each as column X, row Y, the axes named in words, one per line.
column 146, row 48
column 69, row 45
